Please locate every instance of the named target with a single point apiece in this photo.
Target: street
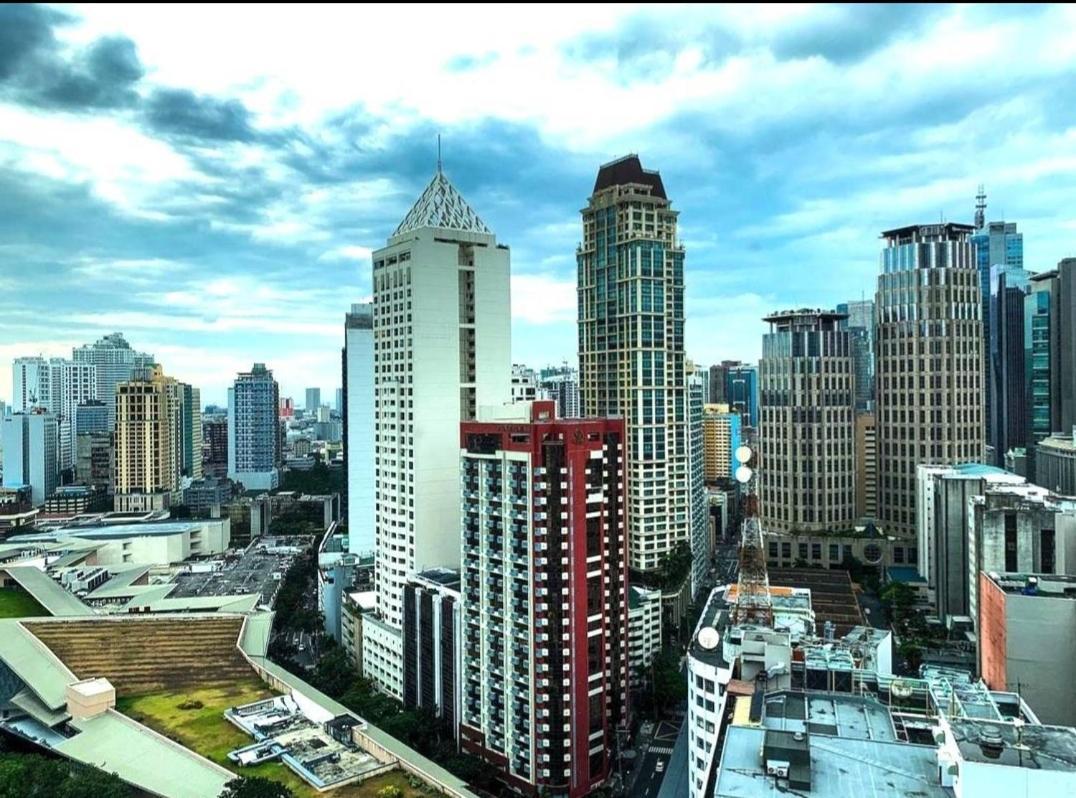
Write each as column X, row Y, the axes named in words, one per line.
column 647, row 779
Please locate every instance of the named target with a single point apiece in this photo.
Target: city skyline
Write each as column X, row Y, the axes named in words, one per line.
column 223, row 212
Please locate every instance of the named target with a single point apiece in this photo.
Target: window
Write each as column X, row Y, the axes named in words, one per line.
column 1010, row 543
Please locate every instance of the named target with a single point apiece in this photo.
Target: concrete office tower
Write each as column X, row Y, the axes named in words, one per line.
column 254, row 454
column 701, row 545
column 115, row 362
column 720, row 439
column 1007, row 403
column 148, row 425
column 545, row 608
column 719, row 381
column 192, row 431
column 930, row 364
column 631, row 346
column 91, row 416
column 313, row 400
column 214, row 447
column 807, row 405
column 30, row 381
column 359, row 426
column 943, row 502
column 866, row 448
column 442, row 348
column 860, row 326
column 31, row 453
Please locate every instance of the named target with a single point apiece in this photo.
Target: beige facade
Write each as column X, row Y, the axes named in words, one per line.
column 148, row 426
column 866, row 466
column 806, row 406
column 716, row 443
column 631, row 347
column 929, row 362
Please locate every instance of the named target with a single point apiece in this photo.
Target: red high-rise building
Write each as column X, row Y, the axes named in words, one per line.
column 544, row 590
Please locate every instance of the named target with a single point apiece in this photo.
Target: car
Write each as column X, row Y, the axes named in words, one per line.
column 660, row 766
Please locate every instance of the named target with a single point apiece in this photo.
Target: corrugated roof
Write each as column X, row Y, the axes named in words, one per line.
column 143, row 758
column 48, row 593
column 37, row 667
column 243, row 603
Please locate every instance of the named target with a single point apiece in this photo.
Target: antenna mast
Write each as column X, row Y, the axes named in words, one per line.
column 754, row 604
column 980, row 208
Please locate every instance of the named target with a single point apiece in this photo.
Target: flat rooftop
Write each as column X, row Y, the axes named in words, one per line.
column 1046, row 586
column 1030, row 746
column 833, row 714
column 832, row 597
column 255, row 572
column 716, row 615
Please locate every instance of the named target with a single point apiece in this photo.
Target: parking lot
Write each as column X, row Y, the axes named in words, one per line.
column 260, row 570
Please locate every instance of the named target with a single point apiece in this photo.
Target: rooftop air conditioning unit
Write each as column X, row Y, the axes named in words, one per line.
column 777, row 768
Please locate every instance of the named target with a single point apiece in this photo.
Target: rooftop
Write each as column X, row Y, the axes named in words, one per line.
column 833, row 714
column 832, row 597
column 1059, row 443
column 441, row 205
column 628, row 170
column 1044, row 585
column 1027, row 745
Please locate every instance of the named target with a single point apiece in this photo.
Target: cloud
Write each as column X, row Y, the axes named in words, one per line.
column 35, row 69
column 543, row 299
column 181, row 112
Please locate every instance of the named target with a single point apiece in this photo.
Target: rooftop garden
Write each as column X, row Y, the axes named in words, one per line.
column 195, row 719
column 17, row 603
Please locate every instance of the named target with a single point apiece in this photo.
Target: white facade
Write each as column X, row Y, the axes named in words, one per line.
column 701, row 551
column 31, row 453
column 644, row 629
column 359, row 446
column 58, row 386
column 442, row 343
column 30, row 384
column 382, row 655
column 115, row 362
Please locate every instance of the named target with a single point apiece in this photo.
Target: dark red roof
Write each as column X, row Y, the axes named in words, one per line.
column 628, row 170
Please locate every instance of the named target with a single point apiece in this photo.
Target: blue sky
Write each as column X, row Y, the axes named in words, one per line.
column 211, row 180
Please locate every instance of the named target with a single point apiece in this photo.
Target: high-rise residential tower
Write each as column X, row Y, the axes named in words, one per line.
column 313, row 401
column 56, row 385
column 807, row 431
column 358, row 416
column 442, row 348
column 720, row 439
column 30, row 443
column 930, row 363
column 741, row 392
column 631, row 347
column 254, row 454
column 147, row 428
column 860, row 324
column 115, row 362
column 30, row 384
column 191, row 431
column 544, row 588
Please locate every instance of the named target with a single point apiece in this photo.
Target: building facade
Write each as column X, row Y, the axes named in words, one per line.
column 254, row 453
column 313, row 400
column 31, row 451
column 359, row 426
column 860, row 326
column 191, row 431
column 1007, row 389
column 807, row 403
column 644, row 631
column 631, row 347
column 432, row 645
column 442, row 348
column 545, row 636
column 866, row 449
column 114, row 361
column 91, row 416
column 148, row 425
column 1055, row 463
column 742, row 392
column 702, row 549
column 95, row 460
column 930, row 362
column 214, row 446
column 563, row 387
column 720, row 439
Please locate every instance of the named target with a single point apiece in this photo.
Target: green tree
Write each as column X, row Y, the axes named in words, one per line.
column 390, row 791
column 34, row 776
column 255, row 787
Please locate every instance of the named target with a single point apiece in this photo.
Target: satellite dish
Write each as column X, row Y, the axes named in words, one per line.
column 900, row 689
column 744, row 474
column 743, row 454
column 708, row 638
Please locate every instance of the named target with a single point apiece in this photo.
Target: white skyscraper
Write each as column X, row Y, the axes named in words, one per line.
column 59, row 386
column 30, row 383
column 31, row 454
column 358, row 409
column 115, row 362
column 442, row 344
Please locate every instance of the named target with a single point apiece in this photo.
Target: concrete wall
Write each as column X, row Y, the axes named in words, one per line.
column 1040, row 646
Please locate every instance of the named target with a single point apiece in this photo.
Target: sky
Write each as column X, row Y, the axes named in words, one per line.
column 211, row 180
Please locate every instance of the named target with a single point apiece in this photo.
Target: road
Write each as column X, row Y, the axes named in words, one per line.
column 647, row 781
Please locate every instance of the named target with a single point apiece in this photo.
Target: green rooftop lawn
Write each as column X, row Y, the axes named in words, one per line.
column 16, row 603
column 207, row 732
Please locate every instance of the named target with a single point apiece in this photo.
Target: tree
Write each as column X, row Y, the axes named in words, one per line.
column 255, row 787
column 390, row 791
column 35, row 776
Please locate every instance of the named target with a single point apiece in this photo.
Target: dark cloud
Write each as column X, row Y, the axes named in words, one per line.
column 179, row 112
column 845, row 34
column 34, row 70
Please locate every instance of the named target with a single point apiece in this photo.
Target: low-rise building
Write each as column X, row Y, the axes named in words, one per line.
column 644, row 630
column 433, row 645
column 1055, row 463
column 865, row 543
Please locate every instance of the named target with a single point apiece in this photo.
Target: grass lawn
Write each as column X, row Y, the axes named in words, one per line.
column 206, row 731
column 17, row 603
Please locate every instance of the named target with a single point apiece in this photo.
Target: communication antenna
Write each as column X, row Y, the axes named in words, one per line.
column 754, row 604
column 439, row 164
column 980, row 208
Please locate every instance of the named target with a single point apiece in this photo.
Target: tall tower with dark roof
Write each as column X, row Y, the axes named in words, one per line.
column 631, row 347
